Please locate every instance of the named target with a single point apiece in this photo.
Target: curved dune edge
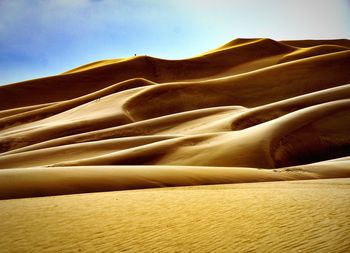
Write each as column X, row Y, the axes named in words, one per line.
column 38, row 181
column 252, row 110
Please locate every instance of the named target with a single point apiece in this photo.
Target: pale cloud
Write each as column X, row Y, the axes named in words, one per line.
column 293, row 19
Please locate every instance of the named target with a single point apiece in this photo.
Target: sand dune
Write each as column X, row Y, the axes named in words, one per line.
column 251, row 103
column 251, row 110
column 41, row 181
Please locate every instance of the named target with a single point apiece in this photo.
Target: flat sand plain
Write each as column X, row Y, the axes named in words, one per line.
column 288, row 216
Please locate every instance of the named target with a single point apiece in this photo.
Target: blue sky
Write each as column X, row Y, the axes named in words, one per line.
column 45, row 37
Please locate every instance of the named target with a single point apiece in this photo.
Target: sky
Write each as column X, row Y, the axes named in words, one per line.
column 46, row 37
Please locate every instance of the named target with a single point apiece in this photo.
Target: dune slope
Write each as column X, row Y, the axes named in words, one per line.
column 250, row 110
column 247, row 146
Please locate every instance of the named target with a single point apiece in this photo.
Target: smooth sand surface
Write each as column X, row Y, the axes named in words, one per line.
column 250, row 111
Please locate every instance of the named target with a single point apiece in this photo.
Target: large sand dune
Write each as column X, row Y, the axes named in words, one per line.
column 252, row 110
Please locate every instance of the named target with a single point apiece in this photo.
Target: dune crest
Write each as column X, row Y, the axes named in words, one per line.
column 251, row 110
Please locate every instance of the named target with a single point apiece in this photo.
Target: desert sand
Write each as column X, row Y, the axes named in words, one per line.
column 235, row 118
column 289, row 216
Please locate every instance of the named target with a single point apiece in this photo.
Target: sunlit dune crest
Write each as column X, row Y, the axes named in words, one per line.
column 252, row 110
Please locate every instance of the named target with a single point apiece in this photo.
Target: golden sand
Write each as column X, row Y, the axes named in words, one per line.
column 299, row 216
column 251, row 111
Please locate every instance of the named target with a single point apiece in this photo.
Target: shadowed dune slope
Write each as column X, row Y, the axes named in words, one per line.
column 251, row 110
